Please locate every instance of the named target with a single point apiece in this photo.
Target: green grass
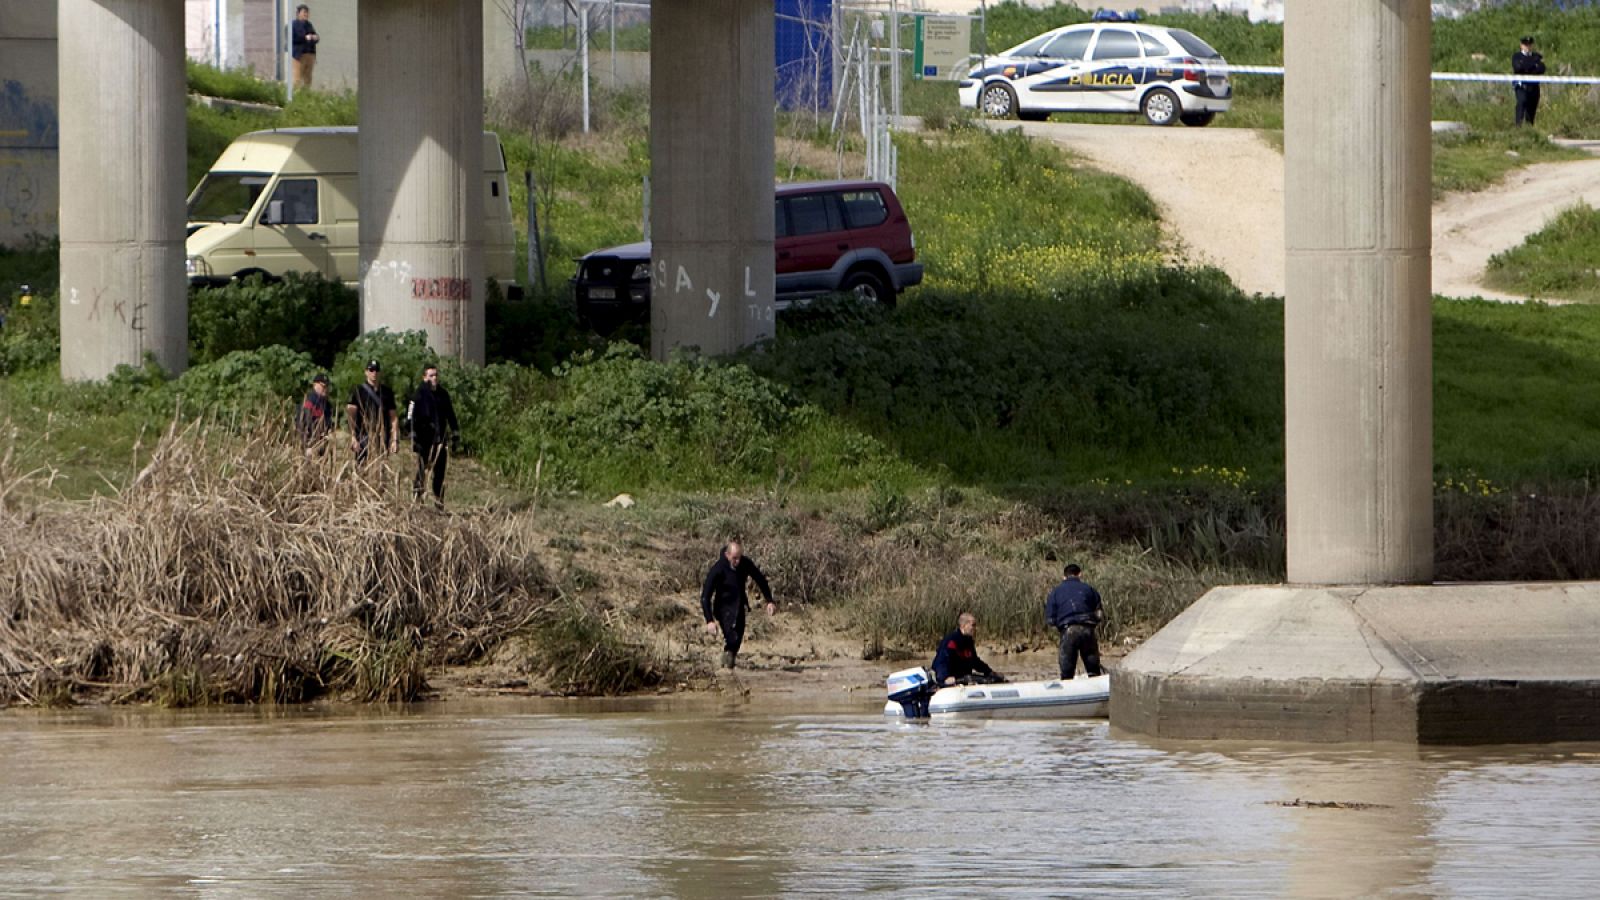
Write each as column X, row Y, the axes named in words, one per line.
column 1560, row 261
column 233, row 84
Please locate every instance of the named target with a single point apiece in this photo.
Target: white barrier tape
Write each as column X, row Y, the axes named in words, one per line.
column 1437, row 76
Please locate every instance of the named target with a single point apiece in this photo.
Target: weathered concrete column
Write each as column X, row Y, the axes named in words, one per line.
column 1358, row 333
column 422, row 171
column 711, row 160
column 123, row 92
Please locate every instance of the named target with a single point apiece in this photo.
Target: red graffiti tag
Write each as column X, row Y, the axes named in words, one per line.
column 441, row 289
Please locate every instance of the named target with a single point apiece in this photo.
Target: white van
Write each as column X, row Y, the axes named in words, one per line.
column 287, row 201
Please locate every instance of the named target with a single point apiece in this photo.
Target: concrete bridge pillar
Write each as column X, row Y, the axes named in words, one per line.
column 711, row 160
column 422, row 171
column 122, row 90
column 1358, row 331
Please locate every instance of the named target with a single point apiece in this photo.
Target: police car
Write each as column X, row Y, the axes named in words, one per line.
column 1167, row 74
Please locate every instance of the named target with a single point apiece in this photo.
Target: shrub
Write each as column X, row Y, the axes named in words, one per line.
column 307, row 312
column 31, row 335
column 246, row 381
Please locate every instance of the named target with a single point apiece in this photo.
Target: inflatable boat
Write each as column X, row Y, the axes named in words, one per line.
column 912, row 694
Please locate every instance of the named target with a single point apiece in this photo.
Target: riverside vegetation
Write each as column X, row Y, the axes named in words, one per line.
column 1057, row 390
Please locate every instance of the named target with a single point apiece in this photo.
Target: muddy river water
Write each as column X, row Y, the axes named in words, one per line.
column 714, row 798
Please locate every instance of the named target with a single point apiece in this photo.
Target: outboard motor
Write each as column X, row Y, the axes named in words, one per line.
column 912, row 688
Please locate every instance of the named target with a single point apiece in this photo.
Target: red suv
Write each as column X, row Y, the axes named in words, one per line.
column 832, row 236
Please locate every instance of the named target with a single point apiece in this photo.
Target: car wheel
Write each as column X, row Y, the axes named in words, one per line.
column 868, row 286
column 1160, row 107
column 266, row 277
column 1198, row 119
column 998, row 101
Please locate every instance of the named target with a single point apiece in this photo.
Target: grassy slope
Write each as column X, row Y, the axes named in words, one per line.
column 1561, row 260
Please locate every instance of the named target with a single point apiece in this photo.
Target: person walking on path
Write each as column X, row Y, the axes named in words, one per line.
column 1074, row 610
column 433, row 429
column 723, row 600
column 957, row 656
column 1526, row 61
column 303, row 46
column 314, row 421
column 372, row 415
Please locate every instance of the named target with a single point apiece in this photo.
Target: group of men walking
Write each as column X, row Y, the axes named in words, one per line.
column 374, row 420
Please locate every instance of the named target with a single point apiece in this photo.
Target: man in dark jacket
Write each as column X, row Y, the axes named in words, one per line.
column 1526, row 62
column 433, row 427
column 957, row 657
column 1074, row 610
column 723, row 600
column 315, row 418
column 372, row 415
column 303, row 46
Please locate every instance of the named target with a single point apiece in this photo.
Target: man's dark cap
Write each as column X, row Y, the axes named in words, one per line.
column 320, row 379
column 1527, row 39
column 372, row 366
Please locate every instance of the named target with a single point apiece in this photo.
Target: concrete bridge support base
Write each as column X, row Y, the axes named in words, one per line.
column 422, row 172
column 1444, row 664
column 711, row 158
column 123, row 287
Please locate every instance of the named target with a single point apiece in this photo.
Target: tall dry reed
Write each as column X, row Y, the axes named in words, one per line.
column 233, row 569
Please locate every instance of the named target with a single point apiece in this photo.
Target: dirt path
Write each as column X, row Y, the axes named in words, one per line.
column 1221, row 194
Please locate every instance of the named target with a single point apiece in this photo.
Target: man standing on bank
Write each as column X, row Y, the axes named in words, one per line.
column 433, row 426
column 1074, row 610
column 372, row 415
column 1526, row 62
column 303, row 46
column 723, row 600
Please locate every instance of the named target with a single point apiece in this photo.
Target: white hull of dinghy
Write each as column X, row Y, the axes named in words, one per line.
column 1078, row 698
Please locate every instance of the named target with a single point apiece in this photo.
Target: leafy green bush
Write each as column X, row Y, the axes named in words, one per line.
column 31, row 336
column 403, row 355
column 540, row 331
column 308, row 312
column 246, row 381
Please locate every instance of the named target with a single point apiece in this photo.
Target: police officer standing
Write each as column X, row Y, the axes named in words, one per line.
column 1526, row 62
column 723, row 600
column 1074, row 610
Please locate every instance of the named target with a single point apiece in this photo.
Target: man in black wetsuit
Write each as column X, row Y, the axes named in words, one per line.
column 723, row 600
column 957, row 658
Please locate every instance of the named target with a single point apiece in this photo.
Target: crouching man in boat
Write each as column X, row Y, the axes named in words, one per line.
column 957, row 660
column 1074, row 610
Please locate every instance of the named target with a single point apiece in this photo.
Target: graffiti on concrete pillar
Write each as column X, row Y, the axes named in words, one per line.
column 456, row 289
column 715, row 299
column 444, row 306
column 685, row 283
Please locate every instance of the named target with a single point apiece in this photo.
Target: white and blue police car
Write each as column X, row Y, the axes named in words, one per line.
column 1167, row 74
